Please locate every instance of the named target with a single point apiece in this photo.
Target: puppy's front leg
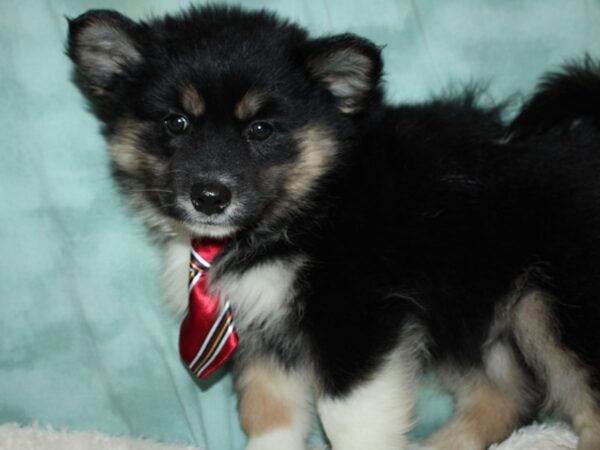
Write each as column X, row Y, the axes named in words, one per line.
column 274, row 406
column 377, row 413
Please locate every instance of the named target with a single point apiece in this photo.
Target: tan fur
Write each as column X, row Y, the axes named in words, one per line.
column 485, row 413
column 249, row 105
column 128, row 153
column 260, row 409
column 124, row 146
column 568, row 387
column 317, row 151
column 488, row 410
column 501, row 364
column 491, row 401
column 191, row 100
column 270, row 398
column 502, row 368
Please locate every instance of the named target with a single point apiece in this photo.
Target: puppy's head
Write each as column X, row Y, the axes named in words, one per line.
column 220, row 120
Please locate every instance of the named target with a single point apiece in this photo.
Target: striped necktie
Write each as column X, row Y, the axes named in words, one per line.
column 207, row 337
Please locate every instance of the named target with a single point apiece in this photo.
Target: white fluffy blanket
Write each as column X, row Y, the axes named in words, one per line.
column 540, row 437
column 15, row 437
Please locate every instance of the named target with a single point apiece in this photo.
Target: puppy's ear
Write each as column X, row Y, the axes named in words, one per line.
column 348, row 66
column 105, row 46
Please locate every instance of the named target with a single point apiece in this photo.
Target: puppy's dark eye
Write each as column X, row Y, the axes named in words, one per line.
column 176, row 124
column 259, row 131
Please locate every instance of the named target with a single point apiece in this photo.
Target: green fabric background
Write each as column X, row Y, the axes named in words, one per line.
column 85, row 342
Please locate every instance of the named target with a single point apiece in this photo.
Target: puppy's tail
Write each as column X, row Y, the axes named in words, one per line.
column 561, row 99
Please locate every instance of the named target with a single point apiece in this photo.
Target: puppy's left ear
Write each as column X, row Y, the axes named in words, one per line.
column 348, row 66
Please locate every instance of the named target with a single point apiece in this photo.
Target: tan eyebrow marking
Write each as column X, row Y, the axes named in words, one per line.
column 249, row 105
column 191, row 100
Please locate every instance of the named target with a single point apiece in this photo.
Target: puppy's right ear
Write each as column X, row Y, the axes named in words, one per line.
column 105, row 47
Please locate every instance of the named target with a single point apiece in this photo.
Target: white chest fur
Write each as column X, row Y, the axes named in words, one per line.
column 260, row 294
column 176, row 264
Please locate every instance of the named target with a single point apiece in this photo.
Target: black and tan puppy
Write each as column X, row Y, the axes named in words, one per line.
column 363, row 241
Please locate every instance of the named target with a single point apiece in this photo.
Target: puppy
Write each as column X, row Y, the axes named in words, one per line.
column 362, row 242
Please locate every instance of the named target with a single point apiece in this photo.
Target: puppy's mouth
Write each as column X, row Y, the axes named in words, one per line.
column 200, row 225
column 207, row 230
column 199, row 229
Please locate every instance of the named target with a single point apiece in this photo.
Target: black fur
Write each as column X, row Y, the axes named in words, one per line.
column 426, row 215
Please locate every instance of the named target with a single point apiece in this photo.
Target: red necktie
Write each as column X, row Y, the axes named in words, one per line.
column 207, row 337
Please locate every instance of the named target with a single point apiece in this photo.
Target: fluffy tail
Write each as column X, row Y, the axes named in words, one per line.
column 560, row 99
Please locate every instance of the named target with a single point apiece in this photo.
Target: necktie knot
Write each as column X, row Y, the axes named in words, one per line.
column 207, row 337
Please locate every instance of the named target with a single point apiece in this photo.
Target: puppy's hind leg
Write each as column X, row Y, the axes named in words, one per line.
column 274, row 406
column 490, row 402
column 566, row 379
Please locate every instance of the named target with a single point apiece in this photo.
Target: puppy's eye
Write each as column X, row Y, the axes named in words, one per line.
column 176, row 124
column 259, row 131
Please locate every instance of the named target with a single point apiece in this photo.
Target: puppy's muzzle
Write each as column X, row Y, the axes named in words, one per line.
column 210, row 198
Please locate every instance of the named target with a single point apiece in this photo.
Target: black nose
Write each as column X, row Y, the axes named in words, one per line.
column 210, row 198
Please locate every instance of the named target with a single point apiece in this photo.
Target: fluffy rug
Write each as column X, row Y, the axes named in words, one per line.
column 15, row 437
column 540, row 437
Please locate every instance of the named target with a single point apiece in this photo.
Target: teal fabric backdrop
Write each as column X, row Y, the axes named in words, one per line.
column 85, row 342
